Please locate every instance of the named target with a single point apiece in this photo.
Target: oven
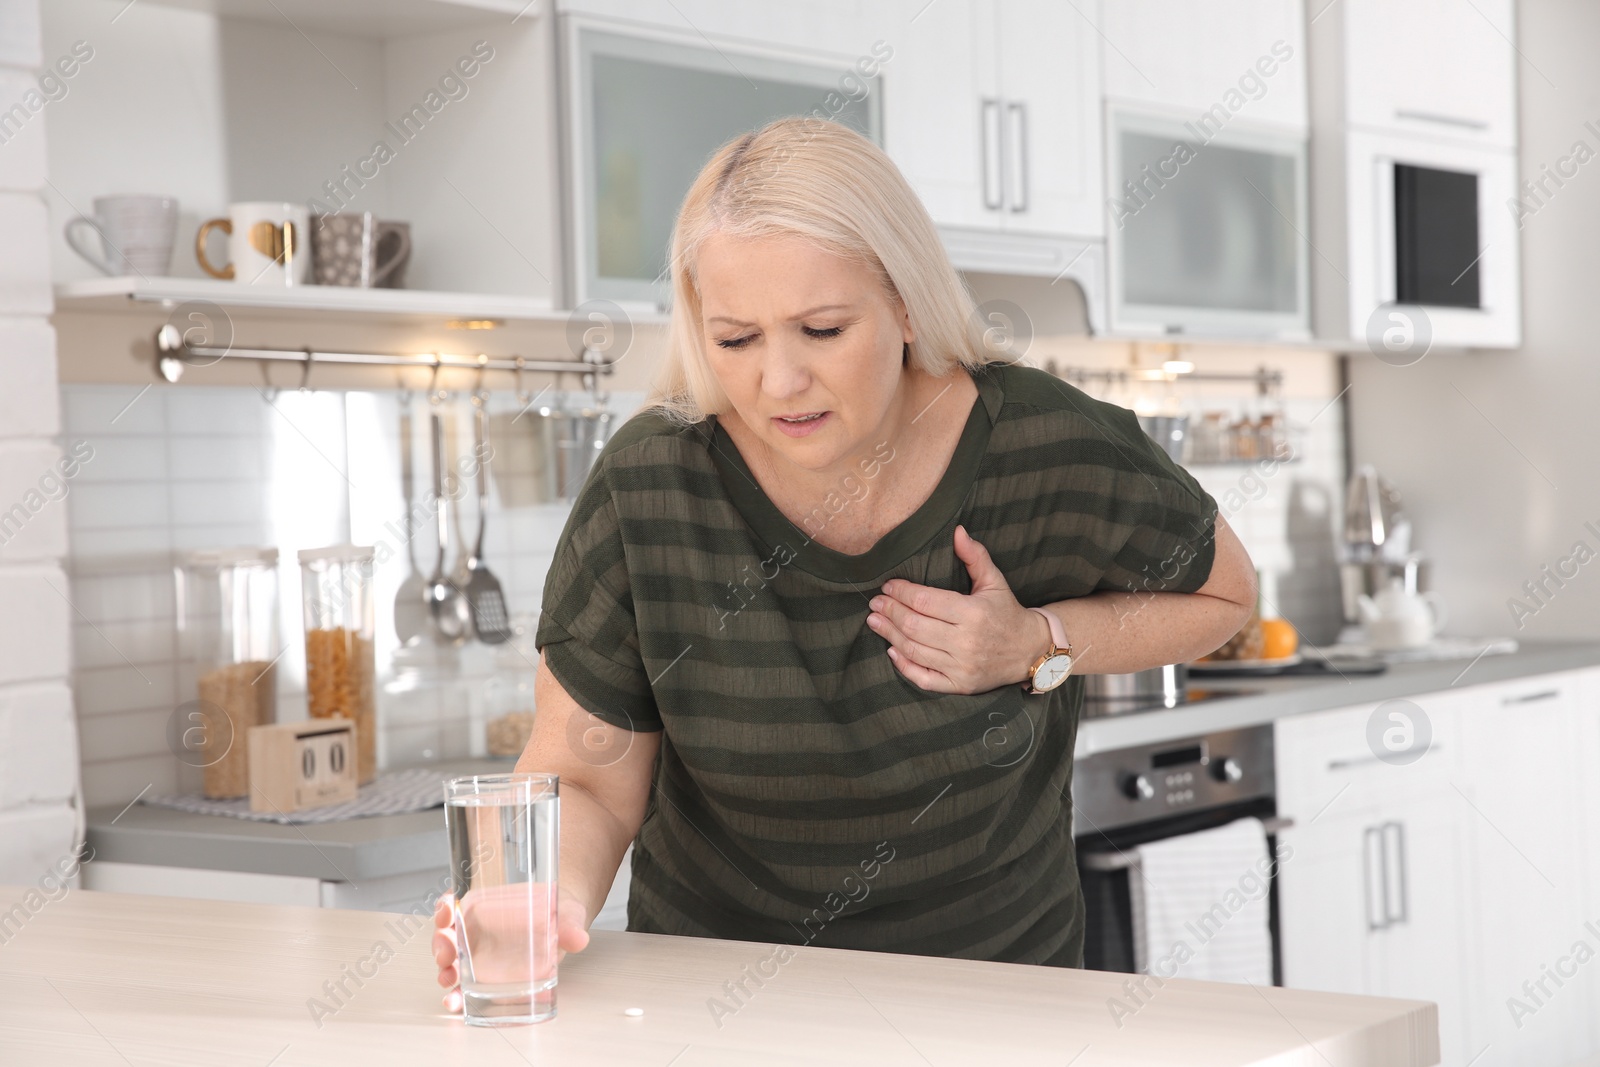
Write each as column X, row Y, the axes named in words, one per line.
column 1133, row 796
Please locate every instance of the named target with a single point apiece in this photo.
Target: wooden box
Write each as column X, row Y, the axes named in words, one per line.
column 295, row 765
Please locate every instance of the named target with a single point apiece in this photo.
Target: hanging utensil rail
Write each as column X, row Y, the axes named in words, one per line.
column 175, row 354
column 1266, row 379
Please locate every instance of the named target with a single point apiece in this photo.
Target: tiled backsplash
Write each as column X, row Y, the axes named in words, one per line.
column 184, row 467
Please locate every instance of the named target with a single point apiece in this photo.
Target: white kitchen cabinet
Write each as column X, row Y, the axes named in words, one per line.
column 1435, row 68
column 1520, row 788
column 1371, row 901
column 1402, row 93
column 1458, row 877
column 1181, row 58
column 992, row 113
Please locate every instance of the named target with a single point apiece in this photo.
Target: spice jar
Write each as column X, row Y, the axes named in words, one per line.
column 227, row 615
column 336, row 592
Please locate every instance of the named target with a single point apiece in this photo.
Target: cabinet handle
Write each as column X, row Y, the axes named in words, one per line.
column 1529, row 698
column 989, row 153
column 1018, row 110
column 1443, row 120
column 1391, row 914
column 1372, row 874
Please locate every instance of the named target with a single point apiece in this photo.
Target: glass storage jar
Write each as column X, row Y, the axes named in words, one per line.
column 508, row 694
column 336, row 592
column 227, row 616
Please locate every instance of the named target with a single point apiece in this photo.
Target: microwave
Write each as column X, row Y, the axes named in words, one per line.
column 1431, row 241
column 1205, row 228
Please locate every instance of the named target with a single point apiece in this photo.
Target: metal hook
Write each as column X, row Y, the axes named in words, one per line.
column 305, row 374
column 483, row 367
column 523, row 399
column 433, row 382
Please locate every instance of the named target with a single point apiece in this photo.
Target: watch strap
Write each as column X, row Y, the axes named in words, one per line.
column 1058, row 633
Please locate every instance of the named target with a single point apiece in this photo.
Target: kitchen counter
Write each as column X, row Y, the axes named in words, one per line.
column 107, row 978
column 390, row 845
column 1274, row 697
column 354, row 850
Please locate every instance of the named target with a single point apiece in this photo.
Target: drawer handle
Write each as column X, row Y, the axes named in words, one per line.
column 1358, row 761
column 1443, row 120
column 1529, row 698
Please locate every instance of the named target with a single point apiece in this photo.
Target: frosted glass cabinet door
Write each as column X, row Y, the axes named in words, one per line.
column 1205, row 230
column 647, row 109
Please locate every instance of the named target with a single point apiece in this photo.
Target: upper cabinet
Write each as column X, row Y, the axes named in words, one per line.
column 1414, row 135
column 1436, row 68
column 1246, row 57
column 992, row 112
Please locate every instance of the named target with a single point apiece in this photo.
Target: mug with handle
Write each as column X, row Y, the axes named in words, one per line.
column 135, row 234
column 359, row 249
column 267, row 244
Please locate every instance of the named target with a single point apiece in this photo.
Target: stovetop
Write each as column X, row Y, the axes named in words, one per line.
column 1106, row 708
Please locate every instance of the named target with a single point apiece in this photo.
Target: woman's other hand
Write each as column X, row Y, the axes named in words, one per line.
column 951, row 642
column 572, row 935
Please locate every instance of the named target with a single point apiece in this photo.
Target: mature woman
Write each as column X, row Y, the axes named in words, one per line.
column 814, row 638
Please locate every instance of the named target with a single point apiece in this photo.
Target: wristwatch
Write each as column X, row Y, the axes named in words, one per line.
column 1052, row 668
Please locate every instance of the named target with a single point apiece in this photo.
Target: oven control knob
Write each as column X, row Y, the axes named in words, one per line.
column 1138, row 787
column 1227, row 770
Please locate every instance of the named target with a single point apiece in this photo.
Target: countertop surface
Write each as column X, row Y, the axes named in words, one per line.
column 1274, row 697
column 113, row 979
column 386, row 845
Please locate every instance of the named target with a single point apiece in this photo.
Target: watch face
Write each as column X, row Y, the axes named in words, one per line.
column 1052, row 672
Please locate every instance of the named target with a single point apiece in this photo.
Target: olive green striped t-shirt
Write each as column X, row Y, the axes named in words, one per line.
column 807, row 792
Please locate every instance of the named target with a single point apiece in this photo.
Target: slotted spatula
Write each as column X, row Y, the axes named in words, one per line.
column 489, row 617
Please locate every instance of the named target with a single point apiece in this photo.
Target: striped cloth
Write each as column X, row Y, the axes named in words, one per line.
column 807, row 792
column 394, row 793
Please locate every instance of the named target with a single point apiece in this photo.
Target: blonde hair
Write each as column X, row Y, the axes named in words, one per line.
column 822, row 181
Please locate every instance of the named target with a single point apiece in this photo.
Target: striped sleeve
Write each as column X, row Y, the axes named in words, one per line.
column 1168, row 520
column 587, row 628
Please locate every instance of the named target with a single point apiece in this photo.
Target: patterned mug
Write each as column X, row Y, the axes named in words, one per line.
column 360, row 249
column 266, row 244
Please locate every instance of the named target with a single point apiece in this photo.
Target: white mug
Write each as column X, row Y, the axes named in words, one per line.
column 135, row 234
column 269, row 243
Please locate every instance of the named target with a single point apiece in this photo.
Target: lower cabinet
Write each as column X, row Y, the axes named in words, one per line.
column 1452, row 869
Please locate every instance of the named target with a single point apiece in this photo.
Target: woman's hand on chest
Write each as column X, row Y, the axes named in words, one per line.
column 949, row 642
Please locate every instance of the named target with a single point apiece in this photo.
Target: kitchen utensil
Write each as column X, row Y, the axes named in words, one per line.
column 267, row 244
column 411, row 599
column 489, row 617
column 504, row 833
column 135, row 234
column 341, row 669
column 1371, row 513
column 452, row 616
column 359, row 249
column 1396, row 619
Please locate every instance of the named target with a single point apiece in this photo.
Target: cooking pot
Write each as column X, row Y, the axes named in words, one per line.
column 1152, row 688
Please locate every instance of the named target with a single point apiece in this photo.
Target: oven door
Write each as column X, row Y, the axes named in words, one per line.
column 1107, row 860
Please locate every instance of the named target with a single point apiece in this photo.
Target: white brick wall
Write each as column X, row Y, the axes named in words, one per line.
column 40, row 795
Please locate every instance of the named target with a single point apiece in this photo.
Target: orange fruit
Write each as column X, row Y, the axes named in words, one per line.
column 1279, row 639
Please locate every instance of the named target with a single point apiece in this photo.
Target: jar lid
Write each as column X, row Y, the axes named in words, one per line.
column 344, row 553
column 227, row 557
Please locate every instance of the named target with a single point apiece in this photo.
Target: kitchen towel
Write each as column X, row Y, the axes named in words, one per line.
column 1200, row 905
column 394, row 793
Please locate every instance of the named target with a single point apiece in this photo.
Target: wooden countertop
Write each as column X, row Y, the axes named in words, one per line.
column 105, row 978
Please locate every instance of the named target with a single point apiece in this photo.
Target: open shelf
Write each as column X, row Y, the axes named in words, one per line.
column 117, row 294
column 366, row 18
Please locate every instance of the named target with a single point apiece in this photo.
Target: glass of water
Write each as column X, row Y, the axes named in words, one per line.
column 504, row 831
